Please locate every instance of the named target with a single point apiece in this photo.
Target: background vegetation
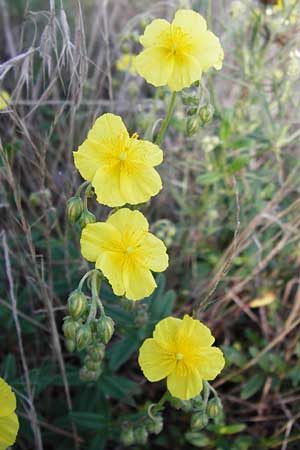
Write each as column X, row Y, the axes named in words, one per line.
column 229, row 213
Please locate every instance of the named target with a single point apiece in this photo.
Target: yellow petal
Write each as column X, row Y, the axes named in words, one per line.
column 155, row 64
column 4, row 100
column 190, row 21
column 139, row 187
column 7, row 399
column 152, row 253
column 9, row 427
column 209, row 50
column 111, row 264
column 265, row 300
column 153, row 32
column 125, row 218
column 211, row 363
column 155, row 362
column 199, row 334
column 98, row 237
column 138, row 281
column 147, row 152
column 186, row 70
column 165, row 333
column 106, row 183
column 184, row 387
column 107, row 126
column 87, row 159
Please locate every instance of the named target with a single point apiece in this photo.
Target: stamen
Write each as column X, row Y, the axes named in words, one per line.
column 179, row 356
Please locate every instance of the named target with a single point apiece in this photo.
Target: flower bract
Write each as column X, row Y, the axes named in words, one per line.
column 9, row 424
column 126, row 253
column 182, row 352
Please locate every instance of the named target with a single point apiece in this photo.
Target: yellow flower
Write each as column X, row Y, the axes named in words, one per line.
column 182, row 352
column 127, row 62
column 4, row 100
column 126, row 252
column 9, row 424
column 176, row 54
column 120, row 167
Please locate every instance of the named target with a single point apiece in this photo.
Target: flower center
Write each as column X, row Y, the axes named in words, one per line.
column 179, row 356
column 129, row 249
column 122, row 156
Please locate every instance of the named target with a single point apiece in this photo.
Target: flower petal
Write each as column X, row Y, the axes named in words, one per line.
column 153, row 32
column 7, row 399
column 209, row 51
column 190, row 21
column 152, row 253
column 155, row 362
column 155, row 64
column 211, row 363
column 106, row 183
column 138, row 281
column 165, row 333
column 98, row 237
column 9, row 427
column 199, row 334
column 87, row 159
column 184, row 387
column 125, row 218
column 107, row 126
column 140, row 186
column 111, row 264
column 186, row 70
column 147, row 152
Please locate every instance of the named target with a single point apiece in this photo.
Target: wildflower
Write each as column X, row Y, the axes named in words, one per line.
column 126, row 252
column 9, row 424
column 4, row 100
column 182, row 352
column 120, row 167
column 127, row 62
column 176, row 54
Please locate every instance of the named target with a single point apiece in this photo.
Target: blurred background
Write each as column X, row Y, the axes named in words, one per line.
column 229, row 214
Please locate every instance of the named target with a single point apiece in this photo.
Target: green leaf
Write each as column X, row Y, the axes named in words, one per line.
column 209, row 178
column 252, row 386
column 90, row 421
column 121, row 351
column 238, row 164
column 227, row 429
column 116, row 386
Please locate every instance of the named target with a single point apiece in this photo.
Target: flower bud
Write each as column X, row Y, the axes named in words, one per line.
column 105, row 328
column 193, row 124
column 197, row 439
column 86, row 218
column 92, row 365
column 155, row 426
column 70, row 328
column 192, row 111
column 206, row 113
column 214, row 408
column 77, row 304
column 87, row 375
column 83, row 337
column 186, row 405
column 199, row 421
column 190, row 100
column 141, row 315
column 97, row 353
column 141, row 435
column 71, row 345
column 127, row 436
column 74, row 209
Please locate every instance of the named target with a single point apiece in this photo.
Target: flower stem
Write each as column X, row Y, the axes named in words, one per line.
column 166, row 121
column 96, row 275
column 82, row 186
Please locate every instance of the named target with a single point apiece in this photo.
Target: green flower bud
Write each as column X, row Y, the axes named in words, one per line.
column 192, row 111
column 92, row 365
column 199, row 421
column 214, row 408
column 70, row 328
column 141, row 435
column 40, row 197
column 97, row 353
column 87, row 375
column 192, row 125
column 197, row 439
column 77, row 304
column 86, row 218
column 141, row 315
column 190, row 100
column 71, row 345
column 83, row 337
column 105, row 328
column 206, row 113
column 127, row 436
column 187, row 405
column 74, row 209
column 155, row 426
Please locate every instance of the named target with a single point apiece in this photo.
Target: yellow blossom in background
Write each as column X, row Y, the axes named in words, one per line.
column 279, row 4
column 265, row 300
column 182, row 352
column 120, row 167
column 177, row 53
column 9, row 424
column 4, row 100
column 127, row 62
column 125, row 251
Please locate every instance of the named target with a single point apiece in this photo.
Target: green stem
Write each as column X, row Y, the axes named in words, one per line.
column 95, row 295
column 82, row 186
column 166, row 121
column 84, row 278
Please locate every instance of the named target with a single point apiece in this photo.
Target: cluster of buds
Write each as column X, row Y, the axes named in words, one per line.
column 83, row 330
column 199, row 113
column 164, row 229
column 139, row 433
column 77, row 210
